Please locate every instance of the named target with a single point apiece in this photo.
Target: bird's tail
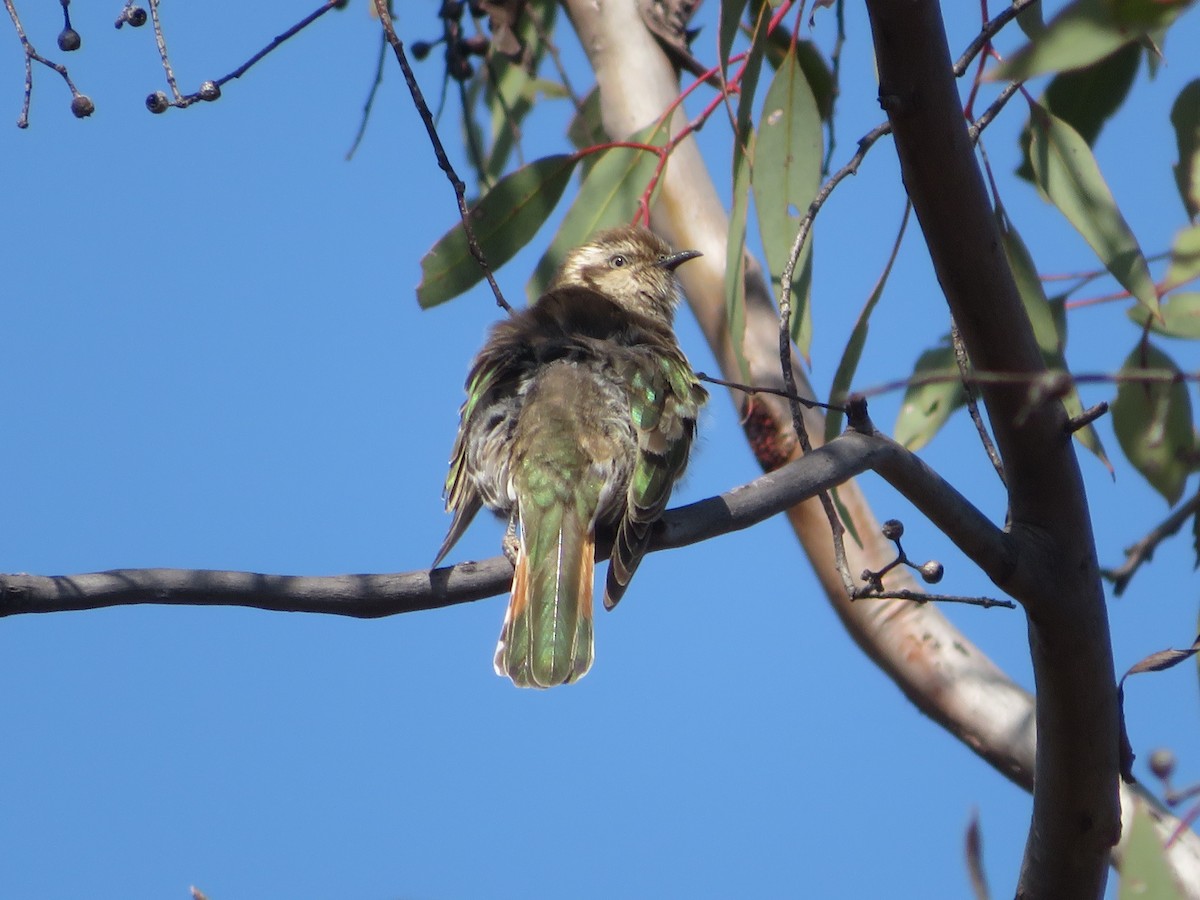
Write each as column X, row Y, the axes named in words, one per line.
column 547, row 635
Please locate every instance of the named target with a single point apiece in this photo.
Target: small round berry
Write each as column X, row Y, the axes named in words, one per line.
column 893, row 529
column 82, row 106
column 136, row 17
column 157, row 102
column 68, row 40
column 459, row 68
column 209, row 90
column 1162, row 763
column 420, row 49
column 931, row 571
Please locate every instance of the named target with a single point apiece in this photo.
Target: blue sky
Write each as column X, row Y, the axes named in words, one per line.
column 213, row 358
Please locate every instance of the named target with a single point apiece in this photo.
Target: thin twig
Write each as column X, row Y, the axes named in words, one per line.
column 920, row 597
column 211, row 90
column 366, row 115
column 161, row 42
column 778, row 392
column 985, row 118
column 988, row 32
column 460, row 189
column 32, row 56
column 964, row 371
column 1143, row 550
column 1086, row 418
column 835, row 89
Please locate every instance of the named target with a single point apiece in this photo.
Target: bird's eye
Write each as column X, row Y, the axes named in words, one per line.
column 617, row 261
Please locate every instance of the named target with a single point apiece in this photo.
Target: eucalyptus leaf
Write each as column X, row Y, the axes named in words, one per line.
column 743, row 165
column 1180, row 316
column 1085, row 31
column 1086, row 98
column 786, row 177
column 852, row 353
column 1153, row 422
column 504, row 221
column 1185, row 258
column 1185, row 118
column 1066, row 172
column 927, row 406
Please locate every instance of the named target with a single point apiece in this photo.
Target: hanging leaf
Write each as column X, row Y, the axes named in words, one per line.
column 504, row 221
column 1180, row 317
column 587, row 129
column 1086, row 98
column 512, row 88
column 816, row 70
column 1031, row 20
column 927, row 406
column 852, row 353
column 744, row 148
column 785, row 176
column 1085, row 31
column 1051, row 338
column 608, row 196
column 1066, row 172
column 1153, row 422
column 730, row 19
column 735, row 258
column 1185, row 117
column 1185, row 258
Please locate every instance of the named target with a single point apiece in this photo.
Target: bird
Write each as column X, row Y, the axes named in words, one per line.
column 579, row 418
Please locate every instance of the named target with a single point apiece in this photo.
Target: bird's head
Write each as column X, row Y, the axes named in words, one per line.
column 632, row 266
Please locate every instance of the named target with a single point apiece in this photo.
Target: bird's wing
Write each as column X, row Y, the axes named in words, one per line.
column 665, row 399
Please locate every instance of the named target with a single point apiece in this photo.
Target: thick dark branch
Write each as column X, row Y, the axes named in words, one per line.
column 1055, row 574
column 371, row 596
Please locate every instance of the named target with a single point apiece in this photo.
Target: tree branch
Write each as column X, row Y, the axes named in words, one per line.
column 1076, row 813
column 372, row 596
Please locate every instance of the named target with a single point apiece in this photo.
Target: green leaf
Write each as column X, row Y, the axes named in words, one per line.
column 1180, row 317
column 587, row 129
column 786, row 176
column 1066, row 172
column 1153, row 422
column 1031, row 20
column 735, row 257
column 1047, row 330
column 1185, row 258
column 1086, row 98
column 504, row 221
column 608, row 196
column 508, row 101
column 512, row 86
column 852, row 352
column 743, row 165
column 926, row 407
column 730, row 19
column 812, row 63
column 1085, row 31
column 1145, row 874
column 1029, row 286
column 1185, row 117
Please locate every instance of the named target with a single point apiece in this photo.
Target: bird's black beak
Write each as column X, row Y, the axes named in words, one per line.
column 672, row 262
